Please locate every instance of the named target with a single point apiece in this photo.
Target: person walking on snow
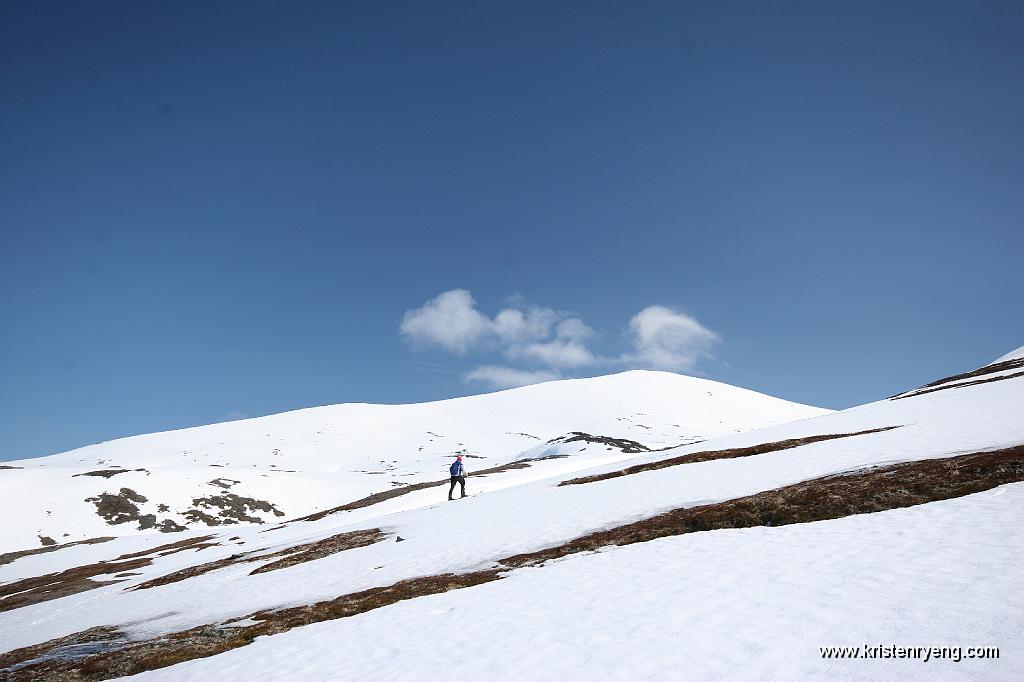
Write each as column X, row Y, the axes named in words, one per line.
column 458, row 476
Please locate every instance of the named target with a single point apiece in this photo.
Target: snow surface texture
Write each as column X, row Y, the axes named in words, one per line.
column 321, row 457
column 733, row 604
column 749, row 604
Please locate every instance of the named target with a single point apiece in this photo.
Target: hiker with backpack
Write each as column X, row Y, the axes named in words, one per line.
column 458, row 472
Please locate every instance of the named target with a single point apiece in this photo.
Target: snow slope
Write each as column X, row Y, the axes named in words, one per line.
column 747, row 604
column 753, row 603
column 1012, row 355
column 309, row 459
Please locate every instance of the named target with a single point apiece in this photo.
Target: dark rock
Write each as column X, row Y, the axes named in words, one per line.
column 118, row 508
column 623, row 444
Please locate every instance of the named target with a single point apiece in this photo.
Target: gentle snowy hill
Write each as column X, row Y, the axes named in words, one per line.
column 291, row 464
column 892, row 524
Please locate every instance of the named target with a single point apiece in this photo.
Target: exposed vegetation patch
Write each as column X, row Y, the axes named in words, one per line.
column 53, row 652
column 198, row 542
column 231, row 509
column 322, row 548
column 118, row 508
column 964, row 384
column 8, row 466
column 518, row 464
column 624, row 444
column 377, row 498
column 191, row 572
column 8, row 557
column 289, row 556
column 81, row 578
column 870, row 490
column 831, row 497
column 169, row 526
column 981, row 371
column 130, row 658
column 20, row 593
column 198, row 516
column 692, row 441
column 223, row 482
column 46, row 540
column 107, row 473
column 707, row 455
column 123, row 507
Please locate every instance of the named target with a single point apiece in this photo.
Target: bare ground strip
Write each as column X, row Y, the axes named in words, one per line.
column 708, row 455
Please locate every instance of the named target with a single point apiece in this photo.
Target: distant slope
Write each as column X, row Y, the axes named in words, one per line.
column 287, row 465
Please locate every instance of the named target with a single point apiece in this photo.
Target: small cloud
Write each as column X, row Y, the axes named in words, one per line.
column 558, row 353
column 449, row 320
column 574, row 329
column 568, row 348
column 516, row 326
column 668, row 339
column 508, row 377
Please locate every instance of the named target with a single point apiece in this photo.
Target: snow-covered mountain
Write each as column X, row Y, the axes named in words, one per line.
column 287, row 465
column 896, row 524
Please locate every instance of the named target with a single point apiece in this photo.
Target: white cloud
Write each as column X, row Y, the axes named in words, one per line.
column 449, row 320
column 567, row 349
column 558, row 354
column 574, row 329
column 516, row 326
column 534, row 334
column 668, row 339
column 509, row 377
column 542, row 342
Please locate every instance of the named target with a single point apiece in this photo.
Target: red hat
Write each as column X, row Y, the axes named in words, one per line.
column 459, row 458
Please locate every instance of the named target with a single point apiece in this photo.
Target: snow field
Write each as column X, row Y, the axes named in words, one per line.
column 747, row 604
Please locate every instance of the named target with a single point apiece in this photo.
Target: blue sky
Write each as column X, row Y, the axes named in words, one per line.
column 210, row 210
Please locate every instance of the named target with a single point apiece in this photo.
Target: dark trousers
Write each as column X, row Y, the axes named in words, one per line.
column 461, row 480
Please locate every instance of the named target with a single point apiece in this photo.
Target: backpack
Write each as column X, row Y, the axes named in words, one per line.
column 456, row 468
